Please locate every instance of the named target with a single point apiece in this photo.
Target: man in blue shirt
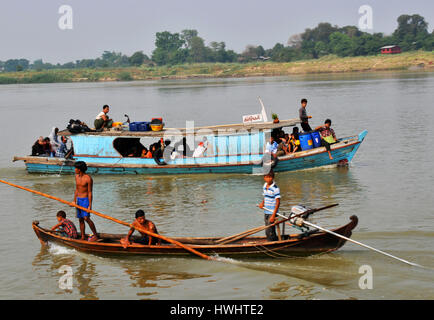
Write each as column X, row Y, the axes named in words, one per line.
column 271, row 146
column 271, row 202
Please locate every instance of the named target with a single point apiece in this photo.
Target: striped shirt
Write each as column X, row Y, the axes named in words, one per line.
column 270, row 196
column 69, row 228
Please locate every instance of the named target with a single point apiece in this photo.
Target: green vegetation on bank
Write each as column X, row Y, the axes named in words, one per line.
column 421, row 60
column 325, row 48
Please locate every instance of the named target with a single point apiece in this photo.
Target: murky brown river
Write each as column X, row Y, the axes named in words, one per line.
column 389, row 186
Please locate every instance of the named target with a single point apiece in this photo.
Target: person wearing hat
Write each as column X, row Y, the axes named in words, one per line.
column 83, row 198
column 148, row 225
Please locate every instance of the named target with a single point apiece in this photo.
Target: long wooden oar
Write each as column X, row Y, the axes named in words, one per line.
column 72, row 204
column 257, row 229
column 356, row 242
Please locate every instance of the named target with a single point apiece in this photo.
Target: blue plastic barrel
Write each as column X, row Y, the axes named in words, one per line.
column 306, row 142
column 316, row 139
column 141, row 126
column 146, row 126
column 133, row 126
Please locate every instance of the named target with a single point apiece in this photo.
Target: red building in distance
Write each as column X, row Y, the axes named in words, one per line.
column 390, row 49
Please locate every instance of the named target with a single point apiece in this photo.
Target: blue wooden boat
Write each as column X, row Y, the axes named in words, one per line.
column 237, row 148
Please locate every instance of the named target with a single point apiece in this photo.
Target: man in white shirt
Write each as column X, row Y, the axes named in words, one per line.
column 102, row 120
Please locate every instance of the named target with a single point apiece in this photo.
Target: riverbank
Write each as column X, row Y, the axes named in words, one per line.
column 418, row 60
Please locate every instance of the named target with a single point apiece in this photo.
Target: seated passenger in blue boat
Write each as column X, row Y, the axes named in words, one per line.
column 328, row 136
column 38, row 148
column 67, row 227
column 102, row 120
column 294, row 140
column 141, row 222
column 284, row 146
column 272, row 146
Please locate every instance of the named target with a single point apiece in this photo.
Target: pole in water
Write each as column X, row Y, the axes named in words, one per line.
column 361, row 244
column 353, row 241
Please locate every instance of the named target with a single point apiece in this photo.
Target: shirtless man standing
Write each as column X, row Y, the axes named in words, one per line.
column 83, row 198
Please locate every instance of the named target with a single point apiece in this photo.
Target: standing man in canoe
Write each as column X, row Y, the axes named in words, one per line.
column 83, row 198
column 304, row 118
column 272, row 203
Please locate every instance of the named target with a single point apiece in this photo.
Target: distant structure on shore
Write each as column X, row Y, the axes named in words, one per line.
column 393, row 49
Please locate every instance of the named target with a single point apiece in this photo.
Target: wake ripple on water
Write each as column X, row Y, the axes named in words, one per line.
column 56, row 249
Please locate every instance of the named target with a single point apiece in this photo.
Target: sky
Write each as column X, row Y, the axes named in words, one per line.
column 29, row 28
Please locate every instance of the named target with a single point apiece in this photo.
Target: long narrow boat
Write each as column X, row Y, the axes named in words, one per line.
column 293, row 245
column 237, row 148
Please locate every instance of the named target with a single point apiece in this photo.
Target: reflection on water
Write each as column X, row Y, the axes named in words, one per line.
column 84, row 271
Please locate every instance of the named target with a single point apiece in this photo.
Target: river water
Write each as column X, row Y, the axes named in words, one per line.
column 388, row 186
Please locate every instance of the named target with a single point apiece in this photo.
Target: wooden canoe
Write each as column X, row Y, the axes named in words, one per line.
column 294, row 245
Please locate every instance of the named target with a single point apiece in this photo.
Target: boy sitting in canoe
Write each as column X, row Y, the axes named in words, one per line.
column 145, row 224
column 271, row 202
column 67, row 227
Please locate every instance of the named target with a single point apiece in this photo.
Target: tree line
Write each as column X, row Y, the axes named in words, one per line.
column 188, row 47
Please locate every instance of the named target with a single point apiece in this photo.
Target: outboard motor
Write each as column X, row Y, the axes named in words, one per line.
column 297, row 223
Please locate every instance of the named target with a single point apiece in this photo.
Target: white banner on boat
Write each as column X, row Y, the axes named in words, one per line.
column 260, row 117
column 253, row 118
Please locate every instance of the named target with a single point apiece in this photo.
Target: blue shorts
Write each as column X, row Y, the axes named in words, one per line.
column 82, row 202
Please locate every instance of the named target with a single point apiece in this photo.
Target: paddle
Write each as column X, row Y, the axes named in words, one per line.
column 72, row 204
column 350, row 240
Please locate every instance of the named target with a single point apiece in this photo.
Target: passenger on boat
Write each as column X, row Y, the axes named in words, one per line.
column 48, row 148
column 294, row 140
column 67, row 227
column 271, row 146
column 283, row 148
column 146, row 153
column 54, row 139
column 271, row 202
column 62, row 150
column 328, row 136
column 200, row 149
column 102, row 120
column 38, row 148
column 304, row 118
column 83, row 197
column 134, row 152
column 157, row 150
column 148, row 225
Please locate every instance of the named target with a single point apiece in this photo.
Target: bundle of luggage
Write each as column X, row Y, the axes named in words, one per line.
column 77, row 126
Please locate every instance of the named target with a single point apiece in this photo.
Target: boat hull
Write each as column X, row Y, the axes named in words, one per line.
column 342, row 152
column 249, row 247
